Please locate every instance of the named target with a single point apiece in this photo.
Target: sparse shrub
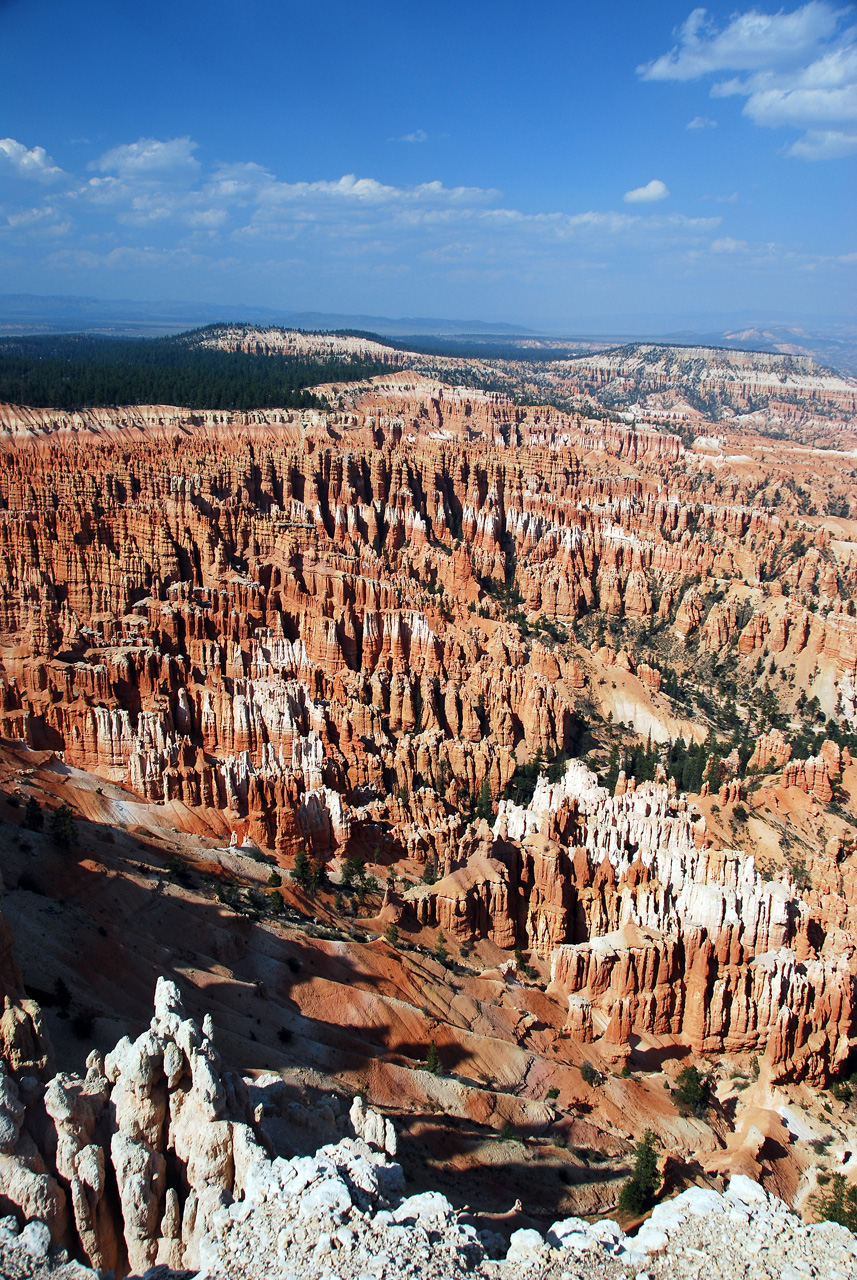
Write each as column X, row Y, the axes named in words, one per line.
column 34, row 819
column 353, row 872
column 839, row 1204
column 553, row 1093
column 392, row 934
column 591, row 1076
column 433, row 1059
column 429, row 875
column 284, row 1035
column 440, row 946
column 798, row 871
column 83, row 1024
column 507, row 1133
column 275, row 879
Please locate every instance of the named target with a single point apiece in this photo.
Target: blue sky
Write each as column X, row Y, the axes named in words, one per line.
column 535, row 161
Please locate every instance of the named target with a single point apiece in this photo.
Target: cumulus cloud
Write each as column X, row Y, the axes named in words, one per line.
column 824, row 144
column 652, row 191
column 151, row 206
column 701, row 122
column 148, row 158
column 35, row 163
column 751, row 41
column 794, row 69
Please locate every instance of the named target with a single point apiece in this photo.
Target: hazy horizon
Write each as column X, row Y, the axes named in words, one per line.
column 551, row 168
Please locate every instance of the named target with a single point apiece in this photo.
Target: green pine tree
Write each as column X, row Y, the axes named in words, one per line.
column 839, row 1204
column 34, row 819
column 638, row 1192
column 303, row 874
column 485, row 805
column 61, row 828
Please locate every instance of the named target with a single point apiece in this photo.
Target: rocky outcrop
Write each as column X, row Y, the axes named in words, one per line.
column 814, row 774
column 129, row 1163
column 648, row 929
column 771, row 751
column 25, row 1045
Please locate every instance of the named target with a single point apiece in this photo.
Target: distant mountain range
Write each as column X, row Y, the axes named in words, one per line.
column 832, row 342
column 31, row 313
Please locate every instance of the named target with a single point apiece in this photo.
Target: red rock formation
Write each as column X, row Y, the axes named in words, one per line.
column 342, row 631
column 720, row 960
column 771, row 749
column 811, row 775
column 753, row 635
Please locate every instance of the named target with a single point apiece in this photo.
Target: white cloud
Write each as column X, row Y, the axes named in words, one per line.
column 353, row 190
column 800, row 69
column 701, row 122
column 151, row 206
column 35, row 163
column 824, row 144
column 418, row 135
column 751, row 41
column 652, row 191
column 148, row 158
column 727, row 245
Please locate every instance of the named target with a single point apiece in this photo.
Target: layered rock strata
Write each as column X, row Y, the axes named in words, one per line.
column 272, row 615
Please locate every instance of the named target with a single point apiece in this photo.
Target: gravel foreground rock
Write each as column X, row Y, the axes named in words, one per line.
column 340, row 1215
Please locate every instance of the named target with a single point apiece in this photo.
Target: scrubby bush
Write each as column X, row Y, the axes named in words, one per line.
column 692, row 1089
column 62, row 829
column 839, row 1204
column 34, row 819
